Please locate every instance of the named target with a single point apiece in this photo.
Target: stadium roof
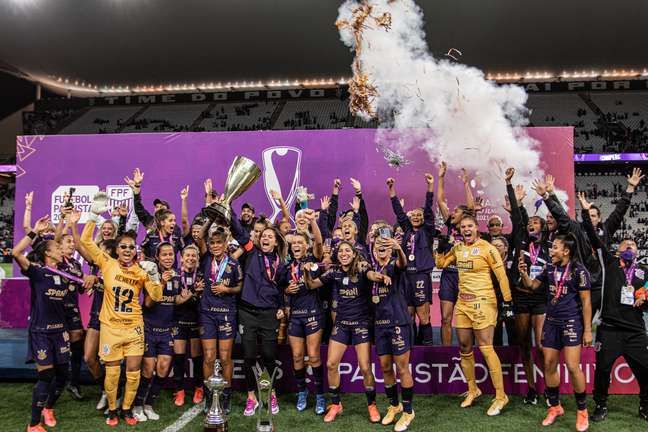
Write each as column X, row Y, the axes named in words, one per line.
column 146, row 42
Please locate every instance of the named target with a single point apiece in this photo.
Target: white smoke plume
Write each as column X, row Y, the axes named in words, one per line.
column 458, row 115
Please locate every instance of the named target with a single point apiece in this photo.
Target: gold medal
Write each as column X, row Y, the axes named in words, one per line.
column 375, row 299
column 412, row 257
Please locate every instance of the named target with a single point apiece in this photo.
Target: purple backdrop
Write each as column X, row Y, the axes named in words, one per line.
column 49, row 165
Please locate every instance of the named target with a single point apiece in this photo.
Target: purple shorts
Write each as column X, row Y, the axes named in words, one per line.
column 158, row 342
column 395, row 340
column 186, row 332
column 418, row 288
column 48, row 348
column 94, row 322
column 303, row 326
column 351, row 334
column 558, row 334
column 217, row 326
column 73, row 319
column 449, row 285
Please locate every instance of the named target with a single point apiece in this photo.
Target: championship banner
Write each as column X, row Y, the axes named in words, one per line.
column 51, row 165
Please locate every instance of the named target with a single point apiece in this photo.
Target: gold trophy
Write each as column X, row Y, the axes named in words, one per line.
column 243, row 173
column 216, row 420
column 265, row 384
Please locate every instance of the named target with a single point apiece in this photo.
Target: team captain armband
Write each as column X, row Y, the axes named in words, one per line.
column 640, row 293
column 247, row 247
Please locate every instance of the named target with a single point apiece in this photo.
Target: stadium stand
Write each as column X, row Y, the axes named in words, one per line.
column 238, row 117
column 319, row 114
column 163, row 118
column 603, row 122
column 100, row 120
column 603, row 188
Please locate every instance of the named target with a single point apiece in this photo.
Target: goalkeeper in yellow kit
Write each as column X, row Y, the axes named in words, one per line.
column 122, row 328
column 476, row 308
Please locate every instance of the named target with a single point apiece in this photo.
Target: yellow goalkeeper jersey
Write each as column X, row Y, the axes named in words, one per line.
column 121, row 308
column 475, row 263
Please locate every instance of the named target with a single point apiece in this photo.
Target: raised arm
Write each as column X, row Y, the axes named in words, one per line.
column 62, row 224
column 588, row 226
column 428, row 212
column 184, row 211
column 322, row 220
column 29, row 197
column 18, row 250
column 98, row 206
column 614, row 221
column 285, row 213
column 318, row 242
column 363, row 225
column 240, row 234
column 470, row 199
column 441, row 200
column 334, row 205
column 401, row 217
column 74, row 219
column 136, row 186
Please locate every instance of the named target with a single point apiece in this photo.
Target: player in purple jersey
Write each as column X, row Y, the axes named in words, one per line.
column 217, row 311
column 449, row 283
column 351, row 281
column 393, row 327
column 418, row 235
column 158, row 337
column 305, row 316
column 529, row 241
column 72, row 311
column 261, row 303
column 187, row 327
column 48, row 344
column 567, row 326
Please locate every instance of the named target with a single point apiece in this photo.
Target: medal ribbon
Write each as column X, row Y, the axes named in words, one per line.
column 221, row 269
column 560, row 285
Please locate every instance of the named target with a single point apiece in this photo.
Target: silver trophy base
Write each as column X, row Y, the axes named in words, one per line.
column 216, row 428
column 265, row 427
column 219, row 213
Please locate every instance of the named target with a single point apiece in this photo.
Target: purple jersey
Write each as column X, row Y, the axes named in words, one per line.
column 73, row 267
column 48, row 291
column 391, row 309
column 305, row 302
column 563, row 295
column 186, row 314
column 417, row 242
column 160, row 314
column 229, row 273
column 351, row 293
column 153, row 240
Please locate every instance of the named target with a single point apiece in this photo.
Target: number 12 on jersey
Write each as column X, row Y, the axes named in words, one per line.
column 121, row 304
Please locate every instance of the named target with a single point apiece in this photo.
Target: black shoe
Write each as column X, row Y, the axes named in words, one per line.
column 531, row 397
column 643, row 411
column 600, row 413
column 75, row 391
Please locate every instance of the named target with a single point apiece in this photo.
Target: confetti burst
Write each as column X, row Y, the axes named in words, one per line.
column 394, row 158
column 363, row 92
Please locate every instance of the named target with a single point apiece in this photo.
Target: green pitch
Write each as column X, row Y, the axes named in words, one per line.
column 433, row 413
